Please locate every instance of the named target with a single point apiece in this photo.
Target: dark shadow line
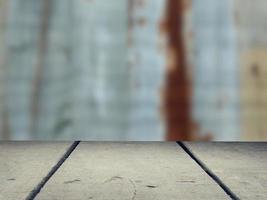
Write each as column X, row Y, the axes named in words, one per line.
column 226, row 189
column 54, row 169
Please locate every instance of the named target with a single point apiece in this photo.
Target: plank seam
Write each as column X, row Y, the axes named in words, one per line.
column 53, row 170
column 209, row 172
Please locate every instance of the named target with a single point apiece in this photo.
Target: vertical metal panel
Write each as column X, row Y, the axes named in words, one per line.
column 101, row 85
column 216, row 82
column 21, row 47
column 253, row 56
column 42, row 46
column 147, row 63
column 4, row 133
column 54, row 99
column 254, row 94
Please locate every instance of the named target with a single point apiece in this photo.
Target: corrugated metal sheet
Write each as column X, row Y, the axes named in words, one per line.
column 103, row 66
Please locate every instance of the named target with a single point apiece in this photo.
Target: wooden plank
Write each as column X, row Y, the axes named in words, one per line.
column 130, row 171
column 241, row 166
column 24, row 164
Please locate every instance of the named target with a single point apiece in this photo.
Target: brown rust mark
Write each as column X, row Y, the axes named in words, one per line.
column 177, row 97
column 46, row 6
column 133, row 5
column 140, row 3
column 255, row 70
column 141, row 21
column 130, row 22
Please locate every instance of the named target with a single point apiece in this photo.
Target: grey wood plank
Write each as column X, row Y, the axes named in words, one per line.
column 106, row 171
column 241, row 166
column 24, row 164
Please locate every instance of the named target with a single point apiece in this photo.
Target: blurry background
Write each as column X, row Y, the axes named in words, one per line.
column 133, row 69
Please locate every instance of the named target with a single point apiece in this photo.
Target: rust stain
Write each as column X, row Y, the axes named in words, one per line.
column 130, row 22
column 141, row 21
column 187, row 5
column 255, row 70
column 39, row 67
column 140, row 3
column 253, row 93
column 177, row 92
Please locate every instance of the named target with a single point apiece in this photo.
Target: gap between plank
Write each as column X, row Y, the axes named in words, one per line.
column 226, row 189
column 54, row 169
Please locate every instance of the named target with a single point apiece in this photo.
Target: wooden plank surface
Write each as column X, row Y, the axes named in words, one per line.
column 131, row 171
column 98, row 170
column 241, row 166
column 24, row 164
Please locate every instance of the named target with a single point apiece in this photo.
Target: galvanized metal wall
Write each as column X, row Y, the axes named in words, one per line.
column 93, row 70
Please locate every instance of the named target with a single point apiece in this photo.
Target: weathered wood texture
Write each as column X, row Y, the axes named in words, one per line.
column 130, row 171
column 98, row 170
column 241, row 166
column 24, row 164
